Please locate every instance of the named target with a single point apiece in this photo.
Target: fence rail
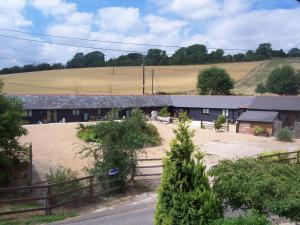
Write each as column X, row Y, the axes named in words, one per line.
column 50, row 195
column 139, row 167
column 284, row 157
column 211, row 125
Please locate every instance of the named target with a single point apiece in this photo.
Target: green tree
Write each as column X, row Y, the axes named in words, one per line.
column 94, row 59
column 156, row 57
column 265, row 50
column 214, row 81
column 260, row 88
column 184, row 195
column 294, row 52
column 248, row 183
column 283, row 80
column 11, row 151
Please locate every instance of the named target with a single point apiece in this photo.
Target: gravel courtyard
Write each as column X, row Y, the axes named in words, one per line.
column 57, row 145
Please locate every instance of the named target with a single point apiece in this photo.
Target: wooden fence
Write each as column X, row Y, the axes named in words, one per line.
column 91, row 184
column 141, row 165
column 285, row 157
column 211, row 125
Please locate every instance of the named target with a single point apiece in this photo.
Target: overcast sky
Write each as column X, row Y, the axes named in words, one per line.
column 215, row 23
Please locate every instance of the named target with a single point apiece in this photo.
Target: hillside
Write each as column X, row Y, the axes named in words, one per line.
column 128, row 80
column 248, row 83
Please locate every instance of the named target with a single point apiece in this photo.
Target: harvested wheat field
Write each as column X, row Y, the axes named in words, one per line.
column 125, row 80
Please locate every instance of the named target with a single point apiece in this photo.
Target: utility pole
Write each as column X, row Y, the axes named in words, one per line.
column 152, row 81
column 143, row 68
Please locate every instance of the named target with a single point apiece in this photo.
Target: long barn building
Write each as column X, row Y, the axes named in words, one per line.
column 261, row 110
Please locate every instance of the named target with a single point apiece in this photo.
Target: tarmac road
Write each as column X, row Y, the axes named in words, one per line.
column 128, row 214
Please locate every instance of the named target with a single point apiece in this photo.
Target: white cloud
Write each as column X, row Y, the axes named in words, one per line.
column 11, row 14
column 119, row 19
column 247, row 30
column 200, row 10
column 158, row 24
column 54, row 7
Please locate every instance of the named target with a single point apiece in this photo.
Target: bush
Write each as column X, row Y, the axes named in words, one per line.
column 249, row 218
column 184, row 195
column 258, row 130
column 62, row 174
column 118, row 144
column 86, row 133
column 164, row 112
column 264, row 186
column 219, row 122
column 284, row 134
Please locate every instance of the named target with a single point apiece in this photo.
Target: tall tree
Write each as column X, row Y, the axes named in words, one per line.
column 283, row 80
column 294, row 52
column 214, row 81
column 184, row 195
column 265, row 50
column 76, row 61
column 155, row 57
column 11, row 152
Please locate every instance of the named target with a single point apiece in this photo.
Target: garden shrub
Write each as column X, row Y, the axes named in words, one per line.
column 164, row 112
column 184, row 195
column 62, row 174
column 249, row 218
column 119, row 143
column 284, row 134
column 264, row 186
column 86, row 133
column 219, row 122
column 258, row 130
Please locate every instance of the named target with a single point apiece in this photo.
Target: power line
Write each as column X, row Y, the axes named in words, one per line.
column 92, row 40
column 70, row 45
column 117, row 42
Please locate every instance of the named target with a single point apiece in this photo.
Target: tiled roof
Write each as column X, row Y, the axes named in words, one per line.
column 290, row 103
column 258, row 116
column 222, row 102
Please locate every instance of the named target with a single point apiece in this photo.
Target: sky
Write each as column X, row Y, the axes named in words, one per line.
column 238, row 24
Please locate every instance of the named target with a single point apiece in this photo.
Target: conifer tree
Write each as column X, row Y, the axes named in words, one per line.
column 185, row 196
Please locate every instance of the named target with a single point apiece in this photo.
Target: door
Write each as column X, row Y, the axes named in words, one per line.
column 51, row 116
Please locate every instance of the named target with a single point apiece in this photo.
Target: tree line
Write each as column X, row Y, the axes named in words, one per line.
column 194, row 54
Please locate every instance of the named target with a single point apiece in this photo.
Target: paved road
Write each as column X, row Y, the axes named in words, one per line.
column 127, row 214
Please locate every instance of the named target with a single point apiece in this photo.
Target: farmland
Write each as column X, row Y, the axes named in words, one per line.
column 125, row 80
column 128, row 80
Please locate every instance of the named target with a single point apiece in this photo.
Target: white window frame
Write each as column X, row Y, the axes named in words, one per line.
column 76, row 112
column 225, row 112
column 29, row 113
column 205, row 111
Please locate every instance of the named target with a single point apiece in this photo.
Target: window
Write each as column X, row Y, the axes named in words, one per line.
column 27, row 113
column 99, row 112
column 225, row 112
column 205, row 111
column 75, row 112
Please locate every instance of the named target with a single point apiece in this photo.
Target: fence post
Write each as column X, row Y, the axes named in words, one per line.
column 298, row 157
column 30, row 164
column 91, row 191
column 48, row 201
column 227, row 126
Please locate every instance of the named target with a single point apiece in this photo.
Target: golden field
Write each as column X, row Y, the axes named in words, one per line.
column 126, row 80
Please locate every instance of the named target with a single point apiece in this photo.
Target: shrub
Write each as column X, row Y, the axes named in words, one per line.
column 184, row 195
column 265, row 186
column 164, row 112
column 58, row 175
column 258, row 130
column 219, row 122
column 249, row 218
column 284, row 134
column 86, row 133
column 118, row 144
